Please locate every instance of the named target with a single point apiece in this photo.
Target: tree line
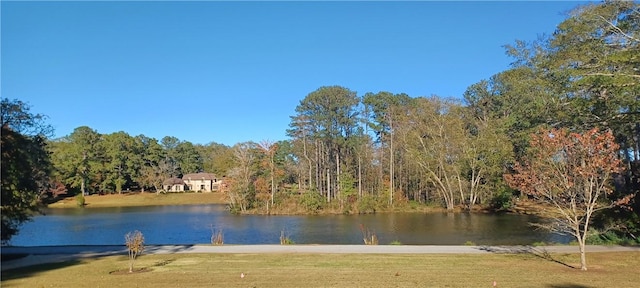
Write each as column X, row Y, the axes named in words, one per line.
column 110, row 163
column 377, row 150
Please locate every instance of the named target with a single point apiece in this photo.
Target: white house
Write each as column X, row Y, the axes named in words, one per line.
column 202, row 182
column 174, row 185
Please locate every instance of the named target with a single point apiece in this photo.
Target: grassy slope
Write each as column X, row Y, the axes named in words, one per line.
column 335, row 270
column 143, row 199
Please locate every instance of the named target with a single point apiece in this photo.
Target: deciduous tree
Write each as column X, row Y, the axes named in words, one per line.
column 269, row 149
column 77, row 159
column 25, row 164
column 241, row 191
column 572, row 172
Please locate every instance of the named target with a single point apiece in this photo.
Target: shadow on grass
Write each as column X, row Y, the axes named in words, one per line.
column 528, row 250
column 33, row 270
column 67, row 256
column 9, row 257
column 568, row 285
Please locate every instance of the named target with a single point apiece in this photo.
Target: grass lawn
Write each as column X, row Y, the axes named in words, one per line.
column 618, row 269
column 142, row 199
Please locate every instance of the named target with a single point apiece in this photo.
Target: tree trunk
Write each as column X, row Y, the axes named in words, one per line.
column 391, row 164
column 131, row 259
column 337, row 190
column 583, row 255
column 306, row 156
column 273, row 183
column 359, row 177
column 328, row 187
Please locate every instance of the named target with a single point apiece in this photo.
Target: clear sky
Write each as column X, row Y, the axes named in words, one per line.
column 230, row 72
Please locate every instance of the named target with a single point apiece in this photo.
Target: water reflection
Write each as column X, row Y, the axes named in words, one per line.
column 193, row 224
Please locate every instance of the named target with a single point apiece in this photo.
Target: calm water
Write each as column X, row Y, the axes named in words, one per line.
column 193, row 224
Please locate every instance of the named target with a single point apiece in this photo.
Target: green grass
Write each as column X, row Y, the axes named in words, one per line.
column 142, row 199
column 335, row 270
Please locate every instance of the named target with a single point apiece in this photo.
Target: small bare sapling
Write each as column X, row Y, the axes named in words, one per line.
column 135, row 244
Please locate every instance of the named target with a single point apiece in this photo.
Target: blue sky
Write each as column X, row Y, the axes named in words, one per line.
column 230, row 72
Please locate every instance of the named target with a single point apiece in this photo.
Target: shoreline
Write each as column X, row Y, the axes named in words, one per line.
column 140, row 199
column 148, row 199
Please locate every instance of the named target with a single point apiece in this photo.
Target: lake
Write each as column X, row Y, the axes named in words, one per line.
column 193, row 224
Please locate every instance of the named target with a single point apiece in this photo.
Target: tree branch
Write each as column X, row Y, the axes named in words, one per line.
column 611, row 74
column 617, row 29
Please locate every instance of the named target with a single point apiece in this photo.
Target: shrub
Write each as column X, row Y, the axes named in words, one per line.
column 395, row 242
column 135, row 244
column 503, row 200
column 367, row 204
column 312, row 201
column 80, row 201
column 609, row 238
column 285, row 239
column 217, row 238
column 539, row 243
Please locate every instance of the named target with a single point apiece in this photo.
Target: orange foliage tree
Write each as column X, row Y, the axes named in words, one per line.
column 572, row 172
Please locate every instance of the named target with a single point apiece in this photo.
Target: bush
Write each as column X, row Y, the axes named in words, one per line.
column 539, row 244
column 80, row 201
column 609, row 238
column 395, row 242
column 312, row 201
column 367, row 204
column 503, row 200
column 285, row 239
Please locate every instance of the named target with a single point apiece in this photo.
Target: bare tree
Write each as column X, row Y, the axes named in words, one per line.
column 154, row 175
column 135, row 245
column 241, row 177
column 269, row 149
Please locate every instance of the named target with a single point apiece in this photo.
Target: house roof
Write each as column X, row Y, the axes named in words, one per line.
column 199, row 176
column 173, row 181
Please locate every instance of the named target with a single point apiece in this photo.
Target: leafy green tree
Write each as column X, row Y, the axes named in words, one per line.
column 386, row 110
column 25, row 164
column 122, row 160
column 588, row 70
column 520, row 99
column 435, row 142
column 328, row 118
column 597, row 50
column 285, row 159
column 217, row 158
column 188, row 158
column 154, row 169
column 303, row 149
column 486, row 152
column 78, row 159
column 170, row 146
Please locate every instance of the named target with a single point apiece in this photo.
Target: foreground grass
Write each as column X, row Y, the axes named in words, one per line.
column 335, row 270
column 142, row 199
